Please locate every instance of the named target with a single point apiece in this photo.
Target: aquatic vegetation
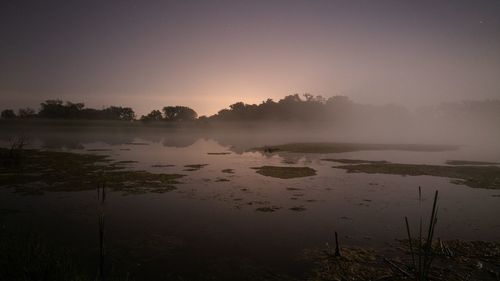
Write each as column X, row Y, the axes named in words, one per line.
column 354, row 264
column 218, row 153
column 61, row 171
column 228, row 171
column 268, row 209
column 464, row 162
column 427, row 258
column 162, row 165
column 221, row 180
column 99, row 150
column 298, row 208
column 354, row 161
column 194, row 167
column 422, row 254
column 285, row 172
column 137, row 143
column 126, row 162
column 472, row 176
column 333, row 147
column 13, row 155
column 452, row 260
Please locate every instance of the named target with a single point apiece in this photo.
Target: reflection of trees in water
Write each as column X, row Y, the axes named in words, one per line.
column 76, row 138
column 181, row 140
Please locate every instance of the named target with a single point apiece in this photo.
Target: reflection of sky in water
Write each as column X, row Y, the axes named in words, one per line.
column 220, row 218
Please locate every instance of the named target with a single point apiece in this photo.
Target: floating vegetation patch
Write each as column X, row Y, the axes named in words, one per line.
column 354, row 161
column 126, row 162
column 218, row 153
column 473, row 176
column 162, row 165
column 221, row 180
column 337, row 147
column 42, row 171
column 465, row 163
column 228, row 171
column 194, row 167
column 285, row 172
column 268, row 209
column 298, row 208
column 137, row 143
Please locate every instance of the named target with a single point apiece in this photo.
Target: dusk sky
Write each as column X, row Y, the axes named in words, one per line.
column 209, row 54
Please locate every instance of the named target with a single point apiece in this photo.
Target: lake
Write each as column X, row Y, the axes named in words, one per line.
column 224, row 220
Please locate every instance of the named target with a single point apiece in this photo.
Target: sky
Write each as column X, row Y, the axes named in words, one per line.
column 209, row 54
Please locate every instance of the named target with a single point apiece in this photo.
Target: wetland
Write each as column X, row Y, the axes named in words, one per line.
column 183, row 199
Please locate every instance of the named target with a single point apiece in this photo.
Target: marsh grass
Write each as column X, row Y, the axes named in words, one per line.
column 354, row 161
column 472, row 176
column 13, row 155
column 422, row 253
column 465, row 163
column 42, row 171
column 101, row 197
column 194, row 167
column 285, row 172
column 333, row 147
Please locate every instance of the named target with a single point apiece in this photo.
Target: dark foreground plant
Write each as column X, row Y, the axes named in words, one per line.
column 422, row 253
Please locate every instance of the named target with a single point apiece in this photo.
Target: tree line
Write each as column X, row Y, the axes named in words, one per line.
column 291, row 108
column 57, row 109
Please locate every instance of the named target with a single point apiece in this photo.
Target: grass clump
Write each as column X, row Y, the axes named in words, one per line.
column 337, row 147
column 42, row 171
column 465, row 163
column 162, row 165
column 221, row 180
column 267, row 209
column 298, row 208
column 194, row 167
column 472, row 176
column 355, row 161
column 285, row 172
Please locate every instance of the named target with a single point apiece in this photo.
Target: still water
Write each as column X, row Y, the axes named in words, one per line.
column 211, row 223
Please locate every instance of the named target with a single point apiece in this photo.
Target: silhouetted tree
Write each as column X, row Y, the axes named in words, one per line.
column 8, row 114
column 52, row 109
column 290, row 108
column 118, row 113
column 26, row 113
column 179, row 113
column 154, row 115
column 56, row 109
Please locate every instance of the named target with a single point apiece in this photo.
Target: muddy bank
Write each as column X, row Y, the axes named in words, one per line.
column 37, row 171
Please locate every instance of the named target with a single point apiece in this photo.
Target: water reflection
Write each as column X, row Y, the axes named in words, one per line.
column 208, row 221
